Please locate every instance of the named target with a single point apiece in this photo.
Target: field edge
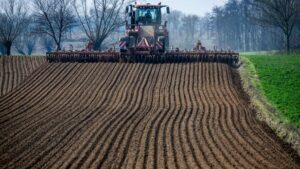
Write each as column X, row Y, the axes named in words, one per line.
column 265, row 111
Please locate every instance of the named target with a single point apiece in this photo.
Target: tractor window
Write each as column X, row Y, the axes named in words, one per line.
column 148, row 16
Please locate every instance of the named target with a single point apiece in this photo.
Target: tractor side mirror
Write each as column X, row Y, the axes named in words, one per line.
column 127, row 9
column 168, row 10
column 166, row 23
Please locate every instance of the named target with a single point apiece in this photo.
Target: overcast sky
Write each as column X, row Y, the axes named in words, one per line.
column 198, row 7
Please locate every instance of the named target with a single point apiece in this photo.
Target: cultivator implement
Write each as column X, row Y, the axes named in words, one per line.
column 167, row 57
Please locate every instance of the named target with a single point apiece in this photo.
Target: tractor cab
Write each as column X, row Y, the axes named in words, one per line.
column 146, row 14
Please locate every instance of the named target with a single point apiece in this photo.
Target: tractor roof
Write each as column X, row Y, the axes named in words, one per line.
column 149, row 6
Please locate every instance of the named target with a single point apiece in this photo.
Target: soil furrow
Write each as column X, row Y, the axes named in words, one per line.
column 94, row 130
column 31, row 140
column 129, row 117
column 91, row 107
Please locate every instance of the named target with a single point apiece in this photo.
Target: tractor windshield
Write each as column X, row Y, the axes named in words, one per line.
column 148, row 16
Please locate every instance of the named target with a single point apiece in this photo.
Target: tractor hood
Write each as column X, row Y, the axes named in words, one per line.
column 146, row 36
column 147, row 31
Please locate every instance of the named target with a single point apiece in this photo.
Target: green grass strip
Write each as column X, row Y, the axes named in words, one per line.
column 280, row 80
column 267, row 88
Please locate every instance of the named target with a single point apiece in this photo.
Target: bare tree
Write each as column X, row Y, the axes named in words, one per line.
column 279, row 13
column 190, row 23
column 174, row 25
column 2, row 50
column 54, row 18
column 99, row 21
column 26, row 42
column 47, row 43
column 13, row 20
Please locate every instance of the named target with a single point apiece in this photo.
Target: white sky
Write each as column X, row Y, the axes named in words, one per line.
column 198, row 7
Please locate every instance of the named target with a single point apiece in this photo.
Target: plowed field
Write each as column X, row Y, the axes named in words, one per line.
column 117, row 115
column 13, row 70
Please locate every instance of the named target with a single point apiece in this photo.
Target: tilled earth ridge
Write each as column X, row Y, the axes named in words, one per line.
column 14, row 70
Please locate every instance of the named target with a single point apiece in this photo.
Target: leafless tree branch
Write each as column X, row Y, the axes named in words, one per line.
column 284, row 14
column 100, row 20
column 13, row 20
column 54, row 18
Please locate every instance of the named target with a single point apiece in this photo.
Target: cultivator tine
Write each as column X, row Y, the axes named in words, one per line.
column 168, row 57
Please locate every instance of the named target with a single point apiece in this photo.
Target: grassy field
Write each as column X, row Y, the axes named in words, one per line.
column 280, row 80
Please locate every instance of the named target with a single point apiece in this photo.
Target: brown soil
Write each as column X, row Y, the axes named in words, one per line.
column 117, row 115
column 14, row 70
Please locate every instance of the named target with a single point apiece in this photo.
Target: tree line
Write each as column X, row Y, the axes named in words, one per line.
column 240, row 25
column 22, row 22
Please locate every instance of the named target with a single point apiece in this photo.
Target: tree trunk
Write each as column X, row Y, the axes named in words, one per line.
column 288, row 43
column 97, row 45
column 58, row 47
column 287, row 32
column 8, row 48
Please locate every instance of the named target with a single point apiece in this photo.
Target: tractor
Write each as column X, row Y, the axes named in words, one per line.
column 145, row 31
